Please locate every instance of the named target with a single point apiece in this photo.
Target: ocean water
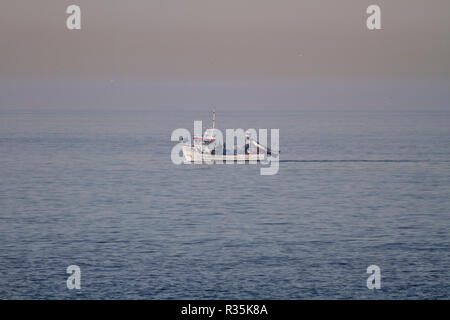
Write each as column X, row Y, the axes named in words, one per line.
column 98, row 189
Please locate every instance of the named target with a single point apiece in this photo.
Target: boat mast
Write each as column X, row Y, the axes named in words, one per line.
column 214, row 119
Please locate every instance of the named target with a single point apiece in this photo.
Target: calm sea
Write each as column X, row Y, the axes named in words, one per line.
column 98, row 189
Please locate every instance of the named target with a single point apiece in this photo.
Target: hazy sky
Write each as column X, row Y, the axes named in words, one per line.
column 173, row 45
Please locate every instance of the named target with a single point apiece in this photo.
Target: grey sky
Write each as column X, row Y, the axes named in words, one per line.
column 221, row 40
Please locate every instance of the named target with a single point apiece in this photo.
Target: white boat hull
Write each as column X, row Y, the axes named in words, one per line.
column 192, row 155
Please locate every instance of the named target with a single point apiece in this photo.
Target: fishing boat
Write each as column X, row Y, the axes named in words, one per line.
column 207, row 149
